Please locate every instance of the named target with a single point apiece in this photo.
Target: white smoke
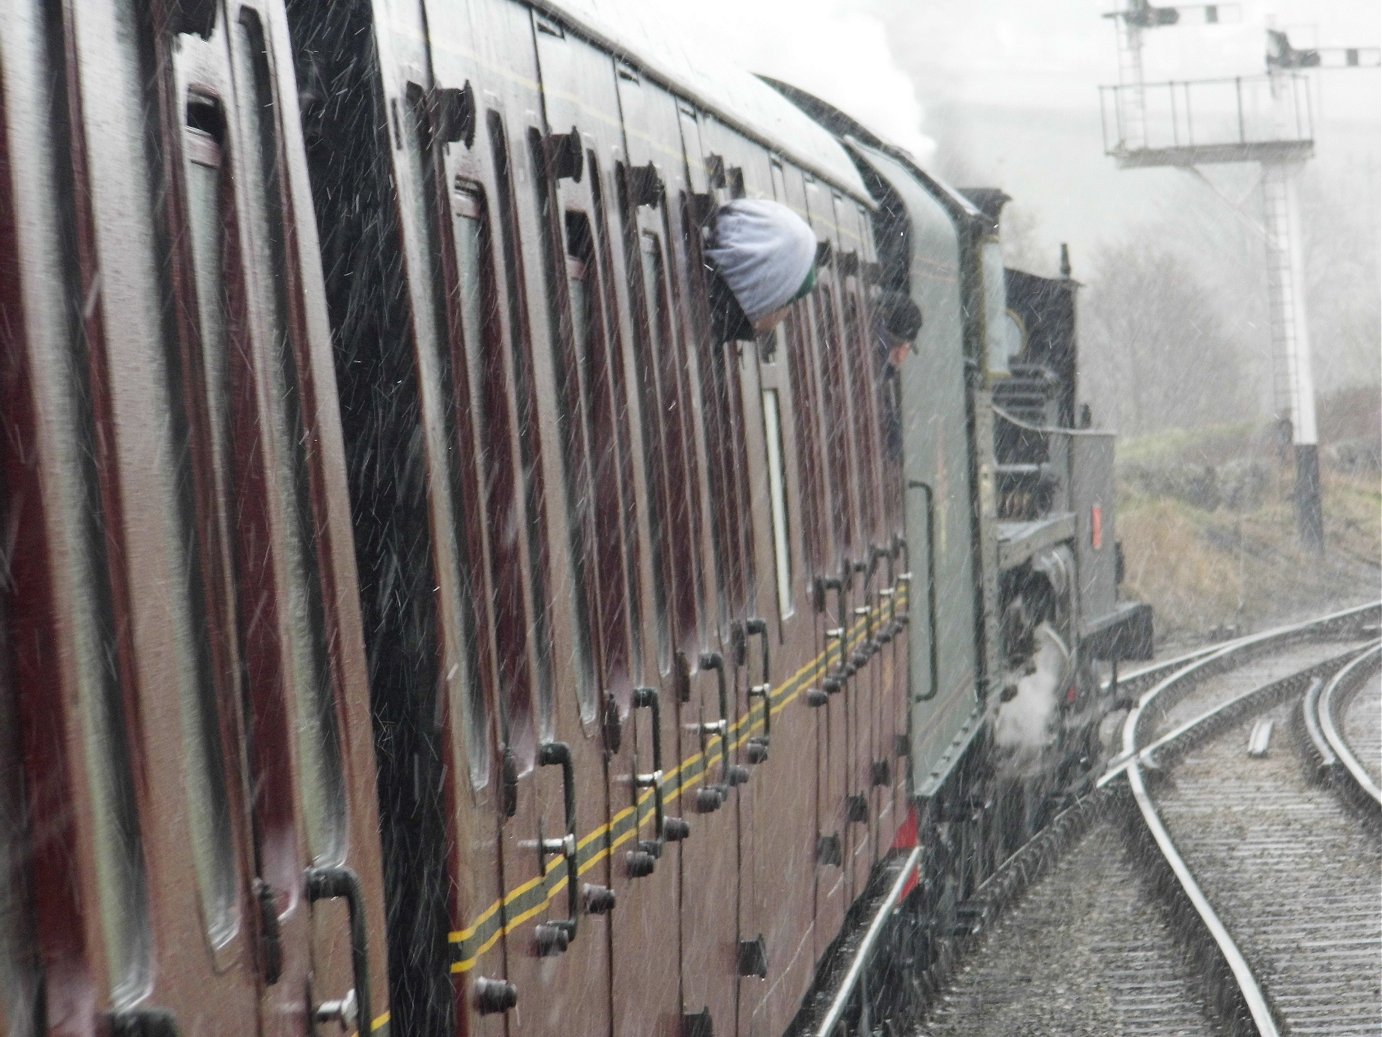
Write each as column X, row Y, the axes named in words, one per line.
column 1025, row 724
column 828, row 48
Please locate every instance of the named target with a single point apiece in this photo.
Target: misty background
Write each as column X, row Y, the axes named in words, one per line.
column 1004, row 93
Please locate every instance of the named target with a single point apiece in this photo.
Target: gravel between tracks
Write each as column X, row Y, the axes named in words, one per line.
column 1084, row 953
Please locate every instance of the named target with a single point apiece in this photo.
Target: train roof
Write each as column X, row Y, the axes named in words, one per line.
column 731, row 94
column 862, row 141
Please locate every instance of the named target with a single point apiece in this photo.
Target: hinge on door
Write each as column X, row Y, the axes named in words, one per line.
column 829, row 851
column 143, row 1022
column 698, row 1024
column 508, row 781
column 270, row 936
column 753, row 957
column 611, row 723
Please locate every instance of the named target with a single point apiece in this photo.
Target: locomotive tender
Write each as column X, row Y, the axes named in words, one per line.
column 412, row 621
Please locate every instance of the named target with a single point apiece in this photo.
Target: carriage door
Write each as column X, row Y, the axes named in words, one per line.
column 774, row 648
column 650, row 184
column 829, row 579
column 107, row 643
column 555, row 863
column 882, row 775
column 844, row 600
column 744, row 170
column 858, row 366
column 457, row 387
column 708, row 706
column 318, row 885
column 208, row 634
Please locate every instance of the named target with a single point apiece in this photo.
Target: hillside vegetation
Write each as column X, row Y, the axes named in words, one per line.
column 1208, row 524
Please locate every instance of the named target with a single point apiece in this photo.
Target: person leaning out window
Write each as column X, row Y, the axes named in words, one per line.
column 760, row 258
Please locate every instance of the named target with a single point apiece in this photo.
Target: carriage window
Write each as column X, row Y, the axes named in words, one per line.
column 606, row 441
column 801, row 354
column 578, row 501
column 683, row 461
column 490, row 396
column 521, row 705
column 478, row 310
column 201, row 439
column 459, row 547
column 118, row 845
column 777, row 500
column 859, row 352
column 837, row 421
column 455, row 554
column 313, row 681
column 473, row 271
column 118, row 851
column 717, row 422
column 655, row 418
column 626, row 518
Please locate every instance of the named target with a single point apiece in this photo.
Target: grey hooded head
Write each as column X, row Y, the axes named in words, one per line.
column 764, row 252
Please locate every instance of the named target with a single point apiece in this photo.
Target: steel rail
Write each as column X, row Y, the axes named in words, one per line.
column 1317, row 747
column 1181, row 675
column 1143, row 677
column 1254, row 1000
column 862, row 953
column 1245, row 1005
column 1328, row 705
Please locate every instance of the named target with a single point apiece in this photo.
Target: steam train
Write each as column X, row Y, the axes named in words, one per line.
column 412, row 621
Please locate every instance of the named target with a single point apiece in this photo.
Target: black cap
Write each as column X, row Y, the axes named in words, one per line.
column 899, row 316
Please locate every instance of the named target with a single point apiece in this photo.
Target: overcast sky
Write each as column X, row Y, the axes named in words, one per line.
column 892, row 60
column 1006, row 91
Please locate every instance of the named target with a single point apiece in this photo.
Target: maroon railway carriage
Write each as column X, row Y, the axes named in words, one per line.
column 618, row 544
column 188, row 810
column 386, row 538
column 410, row 618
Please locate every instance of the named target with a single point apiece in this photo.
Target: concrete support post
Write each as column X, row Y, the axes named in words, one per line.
column 1293, row 383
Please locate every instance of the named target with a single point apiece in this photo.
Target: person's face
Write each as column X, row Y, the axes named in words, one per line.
column 899, row 350
column 767, row 322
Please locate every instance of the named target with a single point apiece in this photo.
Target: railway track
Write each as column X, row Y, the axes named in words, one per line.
column 1199, row 889
column 1341, row 736
column 1361, row 730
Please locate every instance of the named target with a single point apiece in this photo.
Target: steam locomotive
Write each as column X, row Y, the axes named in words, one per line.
column 412, row 621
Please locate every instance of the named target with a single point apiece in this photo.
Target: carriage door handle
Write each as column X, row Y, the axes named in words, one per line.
column 860, row 655
column 905, row 577
column 754, row 626
column 669, row 829
column 880, row 633
column 341, row 883
column 711, row 797
column 554, row 937
column 835, row 681
column 889, row 593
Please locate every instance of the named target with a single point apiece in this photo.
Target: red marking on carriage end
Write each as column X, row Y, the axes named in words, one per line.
column 1096, row 526
column 908, row 837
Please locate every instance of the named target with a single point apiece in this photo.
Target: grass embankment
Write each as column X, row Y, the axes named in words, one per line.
column 1209, row 534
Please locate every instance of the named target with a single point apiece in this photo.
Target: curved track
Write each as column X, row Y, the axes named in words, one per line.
column 1362, row 729
column 1290, row 872
column 1235, row 852
column 1342, row 720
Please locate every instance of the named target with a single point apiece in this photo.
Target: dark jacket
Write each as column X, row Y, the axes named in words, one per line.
column 728, row 322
